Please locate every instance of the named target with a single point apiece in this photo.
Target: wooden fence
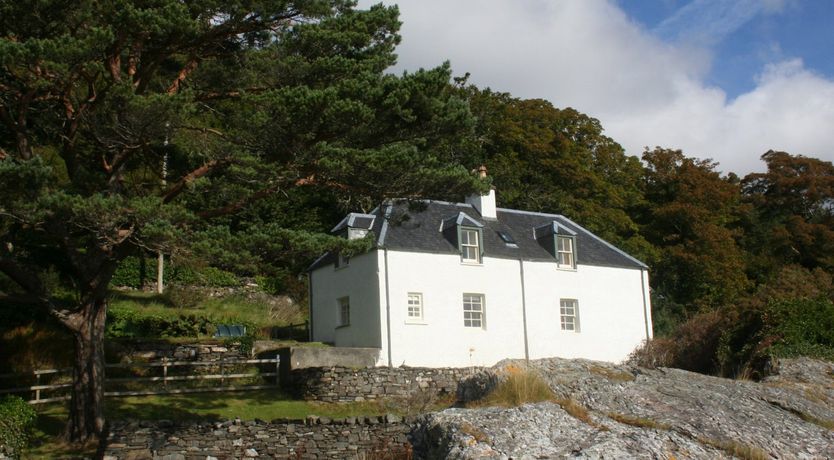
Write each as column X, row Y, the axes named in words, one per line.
column 224, row 377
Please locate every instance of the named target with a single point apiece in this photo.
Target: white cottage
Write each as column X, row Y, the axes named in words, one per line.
column 469, row 284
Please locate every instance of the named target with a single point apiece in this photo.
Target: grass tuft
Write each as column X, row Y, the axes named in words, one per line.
column 520, row 387
column 613, row 375
column 737, row 449
column 640, row 422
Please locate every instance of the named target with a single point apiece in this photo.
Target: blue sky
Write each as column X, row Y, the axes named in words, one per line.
column 752, row 34
column 726, row 80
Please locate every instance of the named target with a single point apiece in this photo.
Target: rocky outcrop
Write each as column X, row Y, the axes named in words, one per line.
column 608, row 411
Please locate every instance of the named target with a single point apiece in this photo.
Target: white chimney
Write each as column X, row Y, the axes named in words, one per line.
column 485, row 204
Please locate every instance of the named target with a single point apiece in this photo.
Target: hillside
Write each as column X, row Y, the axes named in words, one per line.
column 635, row 413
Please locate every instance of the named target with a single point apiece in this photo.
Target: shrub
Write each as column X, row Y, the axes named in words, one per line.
column 654, row 353
column 139, row 271
column 245, row 343
column 17, row 418
column 130, row 323
column 184, row 296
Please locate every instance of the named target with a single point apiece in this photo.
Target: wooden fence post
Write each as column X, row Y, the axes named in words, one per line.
column 164, row 371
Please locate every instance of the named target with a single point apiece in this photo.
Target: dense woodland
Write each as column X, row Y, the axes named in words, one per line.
column 234, row 134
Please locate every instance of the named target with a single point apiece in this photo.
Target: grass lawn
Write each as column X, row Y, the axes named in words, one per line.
column 257, row 311
column 263, row 404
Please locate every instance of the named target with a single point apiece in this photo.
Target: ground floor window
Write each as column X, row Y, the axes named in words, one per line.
column 473, row 310
column 344, row 311
column 415, row 306
column 569, row 312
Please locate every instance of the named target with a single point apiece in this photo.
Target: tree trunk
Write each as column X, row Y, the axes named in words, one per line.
column 86, row 419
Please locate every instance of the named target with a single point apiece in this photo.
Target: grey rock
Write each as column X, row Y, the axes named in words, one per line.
column 642, row 413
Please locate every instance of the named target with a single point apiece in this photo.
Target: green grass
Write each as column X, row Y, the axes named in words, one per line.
column 235, row 307
column 266, row 405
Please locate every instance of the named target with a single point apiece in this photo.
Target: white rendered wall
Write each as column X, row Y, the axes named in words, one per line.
column 612, row 322
column 360, row 282
column 442, row 340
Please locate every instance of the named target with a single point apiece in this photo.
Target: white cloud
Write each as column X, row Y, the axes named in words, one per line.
column 590, row 56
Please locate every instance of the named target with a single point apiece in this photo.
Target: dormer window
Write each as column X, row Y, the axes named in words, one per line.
column 354, row 226
column 470, row 245
column 467, row 235
column 564, row 247
column 560, row 242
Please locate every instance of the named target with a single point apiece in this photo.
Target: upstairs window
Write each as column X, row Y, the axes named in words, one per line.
column 569, row 313
column 473, row 310
column 565, row 251
column 470, row 245
column 342, row 261
column 344, row 311
column 467, row 235
column 559, row 241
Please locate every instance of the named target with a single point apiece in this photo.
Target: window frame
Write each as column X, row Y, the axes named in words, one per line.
column 574, row 317
column 572, row 240
column 420, row 308
column 343, row 304
column 481, row 314
column 479, row 245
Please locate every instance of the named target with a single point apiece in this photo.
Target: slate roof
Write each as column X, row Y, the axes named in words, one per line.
column 416, row 226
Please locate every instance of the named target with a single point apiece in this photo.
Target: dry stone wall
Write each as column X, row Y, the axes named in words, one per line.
column 313, row 438
column 341, row 384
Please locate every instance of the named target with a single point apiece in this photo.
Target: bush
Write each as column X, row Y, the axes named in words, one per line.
column 17, row 418
column 139, row 271
column 184, row 296
column 130, row 323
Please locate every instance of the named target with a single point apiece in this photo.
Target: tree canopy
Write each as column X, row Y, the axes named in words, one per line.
column 153, row 125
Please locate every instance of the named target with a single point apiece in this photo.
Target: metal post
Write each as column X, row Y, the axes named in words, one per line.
column 38, row 391
column 165, row 371
column 277, row 370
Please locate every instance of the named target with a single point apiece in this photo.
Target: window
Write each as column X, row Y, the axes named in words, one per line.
column 344, row 311
column 473, row 310
column 415, row 307
column 507, row 239
column 342, row 261
column 470, row 246
column 564, row 249
column 569, row 311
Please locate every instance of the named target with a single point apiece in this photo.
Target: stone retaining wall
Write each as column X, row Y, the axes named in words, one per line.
column 341, row 384
column 314, row 438
column 155, row 351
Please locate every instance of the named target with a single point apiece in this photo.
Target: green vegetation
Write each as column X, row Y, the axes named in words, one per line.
column 143, row 314
column 17, row 419
column 273, row 123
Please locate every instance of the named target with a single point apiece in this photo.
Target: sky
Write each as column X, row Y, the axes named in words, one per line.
column 721, row 79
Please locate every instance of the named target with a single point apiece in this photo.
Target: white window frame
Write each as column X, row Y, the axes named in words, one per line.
column 414, row 308
column 571, row 253
column 474, row 318
column 344, row 311
column 468, row 245
column 569, row 314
